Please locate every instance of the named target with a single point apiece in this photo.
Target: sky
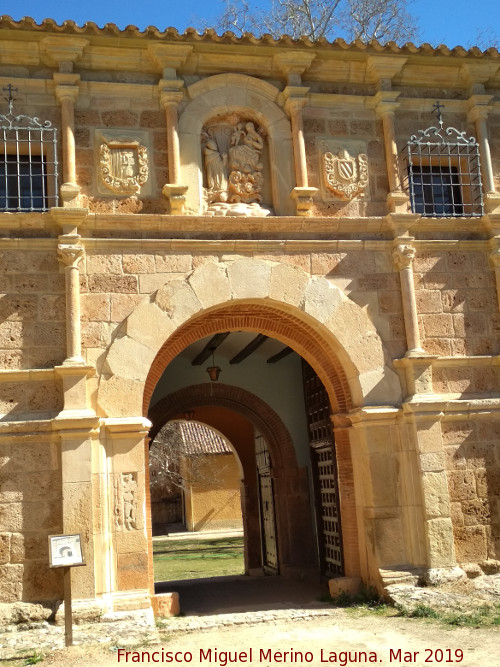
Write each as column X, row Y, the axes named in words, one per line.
column 449, row 22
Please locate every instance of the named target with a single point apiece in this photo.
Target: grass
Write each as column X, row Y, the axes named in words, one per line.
column 369, row 601
column 192, row 559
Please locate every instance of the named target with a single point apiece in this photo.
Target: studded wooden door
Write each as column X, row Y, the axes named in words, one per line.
column 324, row 468
column 266, row 505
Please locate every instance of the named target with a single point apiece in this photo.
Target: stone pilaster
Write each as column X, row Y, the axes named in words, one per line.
column 70, row 253
column 295, row 100
column 66, row 90
column 388, row 508
column 169, row 58
column 495, row 261
column 439, row 542
column 479, row 108
column 403, row 255
column 126, row 533
column 385, row 104
column 79, row 502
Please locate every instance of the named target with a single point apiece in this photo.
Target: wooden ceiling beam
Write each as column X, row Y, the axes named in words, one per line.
column 210, row 348
column 249, row 349
column 280, row 355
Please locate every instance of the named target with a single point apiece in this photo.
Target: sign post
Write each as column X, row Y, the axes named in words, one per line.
column 66, row 551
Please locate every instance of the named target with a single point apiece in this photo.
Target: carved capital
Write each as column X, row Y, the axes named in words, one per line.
column 479, row 107
column 70, row 254
column 403, row 256
column 385, row 102
column 67, row 93
column 170, row 96
column 295, row 98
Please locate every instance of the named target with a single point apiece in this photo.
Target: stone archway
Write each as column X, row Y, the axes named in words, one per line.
column 331, row 332
column 294, row 525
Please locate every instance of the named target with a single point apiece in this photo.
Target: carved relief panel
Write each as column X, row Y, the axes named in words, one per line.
column 344, row 168
column 123, row 163
column 234, row 166
column 127, row 502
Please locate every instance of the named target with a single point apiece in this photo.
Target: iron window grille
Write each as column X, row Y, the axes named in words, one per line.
column 443, row 174
column 28, row 162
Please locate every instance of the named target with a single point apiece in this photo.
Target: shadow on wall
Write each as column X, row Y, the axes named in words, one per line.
column 472, row 455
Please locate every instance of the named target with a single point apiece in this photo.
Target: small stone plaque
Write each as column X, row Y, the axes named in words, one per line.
column 65, row 551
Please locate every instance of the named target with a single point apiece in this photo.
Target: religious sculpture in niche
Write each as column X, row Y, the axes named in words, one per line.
column 232, row 157
column 126, row 501
column 123, row 166
column 345, row 175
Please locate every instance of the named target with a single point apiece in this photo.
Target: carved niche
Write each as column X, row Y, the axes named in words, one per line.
column 233, row 166
column 344, row 174
column 125, row 506
column 124, row 167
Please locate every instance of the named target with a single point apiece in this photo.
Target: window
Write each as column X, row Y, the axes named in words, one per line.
column 23, row 183
column 443, row 175
column 436, row 191
column 28, row 163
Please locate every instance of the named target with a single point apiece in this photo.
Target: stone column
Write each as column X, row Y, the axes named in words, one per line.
column 168, row 59
column 70, row 253
column 170, row 97
column 67, row 90
column 385, row 104
column 438, row 530
column 80, row 500
column 403, row 256
column 296, row 99
column 479, row 108
column 127, row 532
column 384, row 492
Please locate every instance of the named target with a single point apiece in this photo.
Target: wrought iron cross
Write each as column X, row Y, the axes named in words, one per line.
column 437, row 107
column 10, row 89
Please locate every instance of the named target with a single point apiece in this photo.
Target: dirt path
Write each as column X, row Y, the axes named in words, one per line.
column 343, row 638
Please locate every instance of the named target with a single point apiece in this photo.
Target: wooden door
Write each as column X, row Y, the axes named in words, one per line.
column 266, row 506
column 324, row 470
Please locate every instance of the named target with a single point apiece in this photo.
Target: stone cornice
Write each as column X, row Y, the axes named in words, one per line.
column 152, row 50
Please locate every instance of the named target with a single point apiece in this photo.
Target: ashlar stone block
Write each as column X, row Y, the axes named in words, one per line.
column 440, row 543
column 249, row 279
column 435, row 491
column 288, row 284
column 322, row 299
column 210, row 284
column 178, row 300
column 149, row 325
column 128, row 358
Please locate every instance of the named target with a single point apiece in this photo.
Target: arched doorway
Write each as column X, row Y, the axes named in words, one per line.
column 308, row 314
column 244, row 419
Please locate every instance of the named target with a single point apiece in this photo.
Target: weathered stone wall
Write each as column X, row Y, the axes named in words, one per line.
column 472, row 455
column 32, row 308
column 30, row 510
column 457, row 303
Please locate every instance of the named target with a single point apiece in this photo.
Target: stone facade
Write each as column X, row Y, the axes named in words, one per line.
column 155, row 246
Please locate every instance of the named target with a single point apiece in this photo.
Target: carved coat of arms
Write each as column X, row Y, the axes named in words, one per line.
column 343, row 174
column 123, row 166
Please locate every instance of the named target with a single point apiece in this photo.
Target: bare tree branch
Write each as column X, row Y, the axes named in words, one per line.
column 383, row 20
